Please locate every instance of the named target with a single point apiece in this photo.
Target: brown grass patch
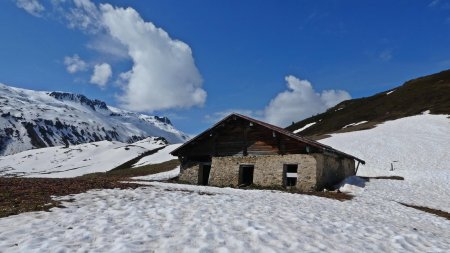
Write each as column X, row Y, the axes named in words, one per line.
column 18, row 195
column 332, row 195
column 336, row 195
column 324, row 194
column 437, row 212
column 384, row 177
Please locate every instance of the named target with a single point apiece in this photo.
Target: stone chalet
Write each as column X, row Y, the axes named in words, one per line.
column 240, row 151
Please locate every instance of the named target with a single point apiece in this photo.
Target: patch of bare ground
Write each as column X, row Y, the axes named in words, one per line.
column 18, row 195
column 437, row 212
column 384, row 177
column 336, row 195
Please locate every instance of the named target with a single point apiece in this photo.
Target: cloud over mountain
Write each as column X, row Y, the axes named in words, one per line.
column 163, row 74
column 74, row 64
column 300, row 100
column 101, row 75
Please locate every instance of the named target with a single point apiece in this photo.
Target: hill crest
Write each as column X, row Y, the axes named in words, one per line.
column 429, row 93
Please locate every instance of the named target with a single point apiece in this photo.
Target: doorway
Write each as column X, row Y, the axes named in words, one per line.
column 246, row 175
column 203, row 174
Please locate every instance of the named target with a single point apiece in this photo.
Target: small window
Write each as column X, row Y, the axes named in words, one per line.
column 246, row 175
column 290, row 174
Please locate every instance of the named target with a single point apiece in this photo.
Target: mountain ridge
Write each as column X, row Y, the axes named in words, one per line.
column 35, row 119
column 428, row 93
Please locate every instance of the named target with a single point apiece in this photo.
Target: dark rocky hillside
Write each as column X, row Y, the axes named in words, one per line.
column 413, row 97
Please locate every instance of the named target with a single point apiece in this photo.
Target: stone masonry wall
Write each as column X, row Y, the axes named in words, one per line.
column 314, row 172
column 349, row 167
column 189, row 173
column 331, row 169
column 268, row 170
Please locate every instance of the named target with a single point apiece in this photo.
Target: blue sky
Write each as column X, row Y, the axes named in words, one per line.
column 248, row 56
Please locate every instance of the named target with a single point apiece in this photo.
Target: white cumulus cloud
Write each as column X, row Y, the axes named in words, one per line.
column 74, row 64
column 106, row 45
column 83, row 15
column 31, row 6
column 164, row 74
column 101, row 75
column 300, row 101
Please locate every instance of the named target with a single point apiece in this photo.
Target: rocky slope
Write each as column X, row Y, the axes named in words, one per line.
column 35, row 119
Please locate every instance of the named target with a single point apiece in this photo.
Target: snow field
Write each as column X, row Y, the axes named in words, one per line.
column 161, row 156
column 160, row 176
column 77, row 160
column 419, row 145
column 162, row 218
column 419, row 142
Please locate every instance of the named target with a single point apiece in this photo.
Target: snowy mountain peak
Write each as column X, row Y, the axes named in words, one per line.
column 35, row 119
column 91, row 103
column 163, row 120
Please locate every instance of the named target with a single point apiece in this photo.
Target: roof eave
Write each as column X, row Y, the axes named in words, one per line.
column 274, row 128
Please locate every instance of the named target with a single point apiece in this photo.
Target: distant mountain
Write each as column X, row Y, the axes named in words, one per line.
column 430, row 93
column 35, row 119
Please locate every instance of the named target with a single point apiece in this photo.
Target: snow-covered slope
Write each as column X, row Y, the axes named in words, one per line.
column 419, row 142
column 188, row 218
column 161, row 156
column 60, row 162
column 418, row 148
column 35, row 119
column 160, row 176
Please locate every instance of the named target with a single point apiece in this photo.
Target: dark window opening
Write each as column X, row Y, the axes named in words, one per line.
column 290, row 174
column 203, row 174
column 246, row 175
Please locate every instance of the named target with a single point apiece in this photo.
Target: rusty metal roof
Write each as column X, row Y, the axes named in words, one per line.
column 273, row 128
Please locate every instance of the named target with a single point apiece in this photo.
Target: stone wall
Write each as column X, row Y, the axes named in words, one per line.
column 349, row 167
column 315, row 171
column 189, row 173
column 332, row 169
column 268, row 170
